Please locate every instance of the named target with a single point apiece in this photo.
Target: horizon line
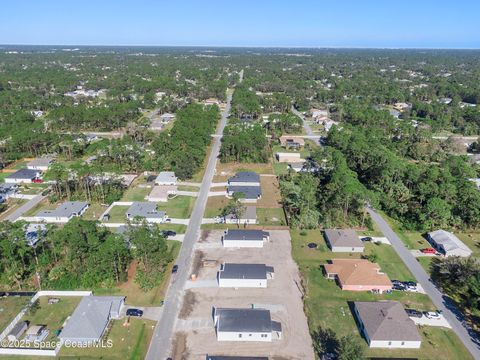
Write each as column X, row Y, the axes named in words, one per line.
column 258, row 46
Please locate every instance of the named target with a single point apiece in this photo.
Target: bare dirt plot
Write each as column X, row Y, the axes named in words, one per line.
column 271, row 197
column 282, row 297
column 188, row 304
column 225, row 170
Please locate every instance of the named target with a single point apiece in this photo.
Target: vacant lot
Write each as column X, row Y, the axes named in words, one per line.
column 136, row 193
column 10, row 306
column 283, row 298
column 271, row 197
column 328, row 306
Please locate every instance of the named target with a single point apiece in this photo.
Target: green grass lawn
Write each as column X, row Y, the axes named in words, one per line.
column 326, row 305
column 425, row 261
column 136, row 193
column 271, row 216
column 117, row 214
column 52, row 315
column 3, row 175
column 128, row 342
column 42, row 205
column 9, row 308
column 178, row 207
column 94, row 212
column 280, row 168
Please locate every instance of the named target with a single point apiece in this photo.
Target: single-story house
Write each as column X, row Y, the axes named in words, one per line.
column 41, row 163
column 343, row 240
column 166, row 178
column 244, row 275
column 147, row 210
column 26, row 176
column 17, row 331
column 245, row 325
column 385, row 324
column 220, row 357
column 250, row 194
column 290, row 141
column 288, row 157
column 167, row 117
column 315, row 113
column 401, row 106
column 358, row 275
column 244, row 178
column 34, row 232
column 211, row 101
column 6, row 191
column 448, row 244
column 90, row 319
column 63, row 213
column 238, row 238
column 160, row 193
column 248, row 217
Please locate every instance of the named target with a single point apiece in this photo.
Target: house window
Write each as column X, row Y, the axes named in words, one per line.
column 353, row 249
column 403, row 342
column 263, row 335
column 239, row 335
column 249, row 334
column 389, row 343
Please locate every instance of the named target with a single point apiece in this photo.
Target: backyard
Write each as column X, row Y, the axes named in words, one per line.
column 10, row 306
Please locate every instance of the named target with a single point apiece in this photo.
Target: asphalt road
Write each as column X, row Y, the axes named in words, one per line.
column 24, row 208
column 159, row 348
column 306, row 126
column 450, row 312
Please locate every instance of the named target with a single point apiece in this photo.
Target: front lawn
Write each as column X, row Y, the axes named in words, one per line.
column 10, row 306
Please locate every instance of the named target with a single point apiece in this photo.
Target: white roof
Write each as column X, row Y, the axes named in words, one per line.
column 448, row 241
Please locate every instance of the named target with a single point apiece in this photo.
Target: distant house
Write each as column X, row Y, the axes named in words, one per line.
column 146, row 210
column 161, row 193
column 166, row 178
column 247, row 183
column 33, row 233
column 244, row 238
column 343, row 240
column 244, row 275
column 26, row 176
column 289, row 157
column 91, row 318
column 41, row 163
column 17, row 331
column 292, row 142
column 316, row 113
column 476, row 181
column 385, row 324
column 211, row 101
column 401, row 106
column 7, row 191
column 36, row 113
column 245, row 325
column 63, row 213
column 247, row 218
column 448, row 244
column 358, row 275
column 167, row 117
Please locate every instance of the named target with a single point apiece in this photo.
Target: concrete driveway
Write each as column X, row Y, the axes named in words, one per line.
column 424, row 321
column 149, row 312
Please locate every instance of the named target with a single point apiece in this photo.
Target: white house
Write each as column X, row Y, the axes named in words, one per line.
column 146, row 210
column 63, row 213
column 41, row 163
column 343, row 240
column 239, row 238
column 166, row 178
column 247, row 183
column 25, row 176
column 249, row 217
column 288, row 157
column 244, row 275
column 252, row 325
column 385, row 324
column 448, row 244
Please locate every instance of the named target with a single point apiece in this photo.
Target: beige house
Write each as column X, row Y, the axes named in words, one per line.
column 289, row 157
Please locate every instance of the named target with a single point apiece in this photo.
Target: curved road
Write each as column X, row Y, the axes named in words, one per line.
column 451, row 313
column 162, row 336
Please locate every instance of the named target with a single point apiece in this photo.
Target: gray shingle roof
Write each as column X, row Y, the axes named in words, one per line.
column 89, row 319
column 145, row 209
column 343, row 238
column 448, row 241
column 238, row 234
column 66, row 209
column 387, row 321
column 25, row 174
column 245, row 176
column 244, row 320
column 249, row 192
column 166, row 176
column 245, row 271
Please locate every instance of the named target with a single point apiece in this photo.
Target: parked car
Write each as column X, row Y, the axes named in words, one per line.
column 429, row 251
column 414, row 313
column 174, row 269
column 366, row 238
column 168, row 233
column 397, row 282
column 432, row 315
column 37, row 181
column 410, row 283
column 134, row 312
column 399, row 287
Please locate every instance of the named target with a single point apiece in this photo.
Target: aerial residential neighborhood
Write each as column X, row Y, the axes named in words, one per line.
column 226, row 181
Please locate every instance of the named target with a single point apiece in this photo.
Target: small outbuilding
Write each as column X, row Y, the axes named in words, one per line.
column 17, row 331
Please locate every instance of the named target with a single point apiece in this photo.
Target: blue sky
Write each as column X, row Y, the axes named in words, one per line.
column 315, row 23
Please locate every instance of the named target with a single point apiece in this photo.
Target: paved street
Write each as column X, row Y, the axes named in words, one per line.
column 450, row 312
column 306, row 126
column 24, row 208
column 162, row 336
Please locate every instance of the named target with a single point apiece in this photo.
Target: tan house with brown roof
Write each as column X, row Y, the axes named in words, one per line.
column 358, row 275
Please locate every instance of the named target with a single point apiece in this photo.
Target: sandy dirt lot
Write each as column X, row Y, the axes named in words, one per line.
column 282, row 298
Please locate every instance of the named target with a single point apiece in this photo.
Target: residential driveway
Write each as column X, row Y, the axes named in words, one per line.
column 219, row 184
column 178, row 221
column 178, row 237
column 187, row 193
column 150, row 312
column 24, row 208
column 418, row 253
column 217, row 193
column 431, row 322
column 442, row 302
